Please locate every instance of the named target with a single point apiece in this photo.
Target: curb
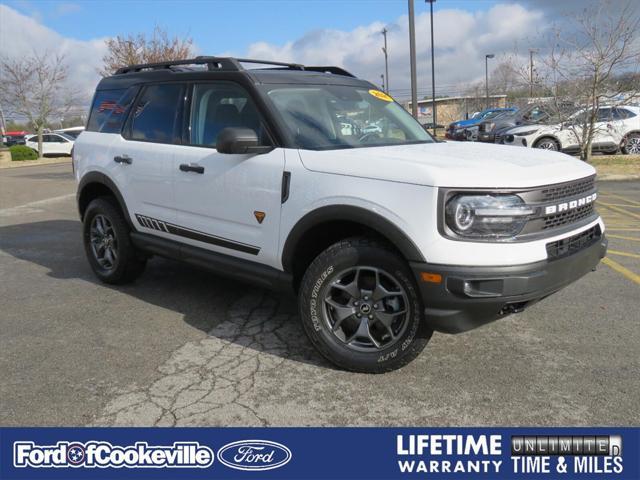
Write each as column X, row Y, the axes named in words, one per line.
column 35, row 163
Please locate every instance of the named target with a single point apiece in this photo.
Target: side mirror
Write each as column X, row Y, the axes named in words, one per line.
column 240, row 140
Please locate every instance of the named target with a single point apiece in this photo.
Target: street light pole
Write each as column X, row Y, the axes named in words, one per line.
column 412, row 56
column 382, row 78
column 486, row 75
column 433, row 74
column 386, row 59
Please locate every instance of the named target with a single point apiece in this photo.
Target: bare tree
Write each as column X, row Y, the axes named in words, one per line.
column 35, row 87
column 587, row 60
column 138, row 48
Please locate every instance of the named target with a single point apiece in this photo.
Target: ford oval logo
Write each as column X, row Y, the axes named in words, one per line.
column 254, row 455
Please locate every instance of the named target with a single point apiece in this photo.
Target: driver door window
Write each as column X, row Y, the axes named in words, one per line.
column 218, row 106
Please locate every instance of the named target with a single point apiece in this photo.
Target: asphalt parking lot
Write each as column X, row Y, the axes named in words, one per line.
column 185, row 347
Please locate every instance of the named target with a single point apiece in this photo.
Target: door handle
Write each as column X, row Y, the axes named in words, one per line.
column 191, row 168
column 123, row 159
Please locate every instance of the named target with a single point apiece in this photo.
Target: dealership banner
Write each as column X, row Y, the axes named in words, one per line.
column 320, row 453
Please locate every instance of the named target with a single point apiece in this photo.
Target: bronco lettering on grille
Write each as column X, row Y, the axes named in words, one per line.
column 566, row 206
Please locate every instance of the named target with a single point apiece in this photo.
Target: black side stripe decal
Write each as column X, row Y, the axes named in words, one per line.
column 162, row 226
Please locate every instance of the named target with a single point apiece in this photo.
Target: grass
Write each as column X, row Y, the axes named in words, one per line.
column 616, row 166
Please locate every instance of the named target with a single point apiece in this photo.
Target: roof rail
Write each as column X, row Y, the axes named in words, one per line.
column 227, row 64
column 329, row 69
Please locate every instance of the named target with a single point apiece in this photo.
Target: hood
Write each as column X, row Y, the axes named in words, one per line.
column 525, row 128
column 451, row 164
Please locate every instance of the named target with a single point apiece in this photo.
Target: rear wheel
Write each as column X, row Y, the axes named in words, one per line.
column 631, row 144
column 361, row 309
column 107, row 244
column 547, row 143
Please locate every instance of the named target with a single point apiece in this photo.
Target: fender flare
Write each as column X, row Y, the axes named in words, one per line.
column 100, row 178
column 354, row 214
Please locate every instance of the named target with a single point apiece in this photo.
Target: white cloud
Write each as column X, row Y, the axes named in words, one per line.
column 461, row 38
column 21, row 35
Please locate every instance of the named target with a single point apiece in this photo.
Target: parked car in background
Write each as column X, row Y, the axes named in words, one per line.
column 616, row 128
column 71, row 131
column 52, row 143
column 457, row 130
column 492, row 130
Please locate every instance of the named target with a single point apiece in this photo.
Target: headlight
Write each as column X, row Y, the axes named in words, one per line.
column 524, row 134
column 489, row 126
column 486, row 216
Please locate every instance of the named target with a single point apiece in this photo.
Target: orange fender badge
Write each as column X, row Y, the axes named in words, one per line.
column 259, row 216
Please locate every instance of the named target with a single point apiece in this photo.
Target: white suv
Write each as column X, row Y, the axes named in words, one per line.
column 52, row 143
column 615, row 128
column 385, row 234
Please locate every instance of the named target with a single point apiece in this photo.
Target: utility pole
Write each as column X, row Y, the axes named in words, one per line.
column 382, row 78
column 486, row 75
column 433, row 74
column 412, row 56
column 531, row 52
column 386, row 59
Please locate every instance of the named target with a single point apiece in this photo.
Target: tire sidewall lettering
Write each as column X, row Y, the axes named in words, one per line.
column 313, row 302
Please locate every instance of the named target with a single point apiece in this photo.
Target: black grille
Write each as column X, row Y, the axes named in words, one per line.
column 566, row 190
column 570, row 216
column 567, row 246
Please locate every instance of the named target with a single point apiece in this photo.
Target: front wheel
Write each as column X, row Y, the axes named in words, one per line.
column 360, row 307
column 632, row 144
column 547, row 144
column 107, row 244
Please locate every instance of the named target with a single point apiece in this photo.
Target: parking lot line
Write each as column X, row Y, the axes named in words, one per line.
column 620, row 210
column 622, row 270
column 633, row 239
column 627, row 205
column 621, row 198
column 622, row 254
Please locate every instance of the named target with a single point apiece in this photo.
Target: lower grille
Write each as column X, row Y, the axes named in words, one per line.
column 570, row 245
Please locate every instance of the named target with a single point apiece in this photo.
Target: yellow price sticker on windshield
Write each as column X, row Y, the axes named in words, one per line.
column 381, row 95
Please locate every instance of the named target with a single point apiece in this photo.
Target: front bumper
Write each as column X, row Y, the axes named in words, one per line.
column 486, row 137
column 468, row 297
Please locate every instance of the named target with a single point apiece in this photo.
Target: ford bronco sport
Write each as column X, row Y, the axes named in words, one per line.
column 310, row 179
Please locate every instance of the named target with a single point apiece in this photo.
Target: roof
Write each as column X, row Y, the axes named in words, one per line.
column 228, row 67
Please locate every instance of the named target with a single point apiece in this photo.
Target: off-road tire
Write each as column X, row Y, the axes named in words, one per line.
column 324, row 270
column 129, row 264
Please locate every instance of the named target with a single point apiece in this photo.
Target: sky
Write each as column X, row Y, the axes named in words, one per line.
column 321, row 32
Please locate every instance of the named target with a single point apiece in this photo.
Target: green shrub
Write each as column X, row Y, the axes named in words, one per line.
column 22, row 152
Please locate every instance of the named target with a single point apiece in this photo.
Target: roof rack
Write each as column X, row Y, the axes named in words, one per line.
column 228, row 64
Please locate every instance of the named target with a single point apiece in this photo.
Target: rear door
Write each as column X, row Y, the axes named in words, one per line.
column 231, row 204
column 59, row 144
column 143, row 156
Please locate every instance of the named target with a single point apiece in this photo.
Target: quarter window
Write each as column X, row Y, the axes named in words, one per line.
column 219, row 106
column 155, row 113
column 109, row 109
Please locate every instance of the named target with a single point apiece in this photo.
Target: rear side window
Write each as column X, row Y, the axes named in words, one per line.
column 155, row 115
column 109, row 109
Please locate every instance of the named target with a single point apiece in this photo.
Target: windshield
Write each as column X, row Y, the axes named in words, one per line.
column 322, row 117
